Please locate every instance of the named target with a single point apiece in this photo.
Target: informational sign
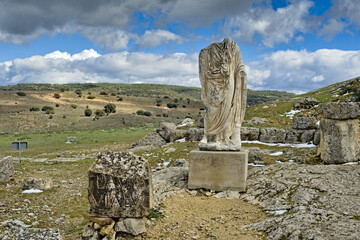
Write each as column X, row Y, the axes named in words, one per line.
column 19, row 145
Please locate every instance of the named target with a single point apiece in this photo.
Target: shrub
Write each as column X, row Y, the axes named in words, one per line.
column 50, row 111
column 158, row 115
column 62, row 89
column 99, row 113
column 34, row 109
column 171, row 105
column 165, row 115
column 120, row 99
column 166, row 97
column 176, row 100
column 147, row 113
column 46, row 108
column 57, row 95
column 110, row 108
column 88, row 112
column 64, row 116
column 78, row 92
column 21, row 94
column 91, row 97
column 140, row 112
column 57, row 105
column 51, row 117
column 103, row 93
column 113, row 94
column 74, row 106
column 184, row 106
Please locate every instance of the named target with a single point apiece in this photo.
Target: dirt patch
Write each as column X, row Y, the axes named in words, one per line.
column 202, row 217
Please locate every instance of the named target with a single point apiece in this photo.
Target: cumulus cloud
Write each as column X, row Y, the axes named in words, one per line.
column 303, row 70
column 272, row 26
column 346, row 9
column 89, row 66
column 154, row 38
column 332, row 28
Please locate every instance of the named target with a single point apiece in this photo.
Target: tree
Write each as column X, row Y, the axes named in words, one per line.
column 88, row 112
column 110, row 108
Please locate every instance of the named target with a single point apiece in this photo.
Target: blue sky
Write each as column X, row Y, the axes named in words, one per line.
column 292, row 45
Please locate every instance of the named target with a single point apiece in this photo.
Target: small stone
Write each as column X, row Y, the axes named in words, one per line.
column 134, row 226
column 228, row 194
column 105, row 230
column 97, row 226
column 37, row 183
column 99, row 220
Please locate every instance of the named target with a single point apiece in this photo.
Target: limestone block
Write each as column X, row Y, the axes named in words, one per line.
column 134, row 226
column 316, row 140
column 120, row 185
column 250, row 133
column 37, row 183
column 165, row 130
column 177, row 134
column 255, row 154
column 340, row 110
column 194, row 134
column 308, row 136
column 305, row 103
column 218, row 170
column 299, row 136
column 153, row 139
column 304, row 123
column 339, row 141
column 6, row 169
column 272, row 135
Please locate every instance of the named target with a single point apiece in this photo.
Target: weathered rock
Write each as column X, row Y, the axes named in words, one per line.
column 194, row 134
column 299, row 136
column 255, row 154
column 250, row 133
column 165, row 130
column 152, row 139
column 6, row 169
column 37, row 183
column 339, row 141
column 320, row 201
column 272, row 135
column 200, row 122
column 120, row 185
column 228, row 194
column 106, row 229
column 134, row 226
column 306, row 103
column 181, row 162
column 304, row 123
column 340, row 110
column 99, row 220
column 316, row 138
column 177, row 134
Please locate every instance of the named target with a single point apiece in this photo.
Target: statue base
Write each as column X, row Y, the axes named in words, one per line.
column 218, row 170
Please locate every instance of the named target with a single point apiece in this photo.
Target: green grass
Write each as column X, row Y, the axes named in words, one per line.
column 88, row 140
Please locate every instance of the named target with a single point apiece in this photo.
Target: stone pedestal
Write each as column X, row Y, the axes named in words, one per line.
column 218, row 170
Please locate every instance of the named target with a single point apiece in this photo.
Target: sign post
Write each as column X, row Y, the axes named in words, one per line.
column 19, row 146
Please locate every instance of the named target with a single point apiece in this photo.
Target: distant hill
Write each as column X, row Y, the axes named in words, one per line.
column 145, row 90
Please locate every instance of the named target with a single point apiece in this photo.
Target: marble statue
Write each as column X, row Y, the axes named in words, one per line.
column 223, row 81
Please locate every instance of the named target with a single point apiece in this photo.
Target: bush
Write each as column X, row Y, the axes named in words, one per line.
column 91, row 97
column 171, row 105
column 78, row 92
column 120, row 99
column 165, row 115
column 64, row 116
column 113, row 94
column 184, row 106
column 57, row 105
column 34, row 109
column 49, row 111
column 99, row 113
column 74, row 106
column 57, row 95
column 140, row 112
column 147, row 113
column 51, row 117
column 21, row 94
column 88, row 112
column 110, row 108
column 46, row 108
column 103, row 93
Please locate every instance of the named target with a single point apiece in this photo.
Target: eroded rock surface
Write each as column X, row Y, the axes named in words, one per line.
column 6, row 169
column 313, row 201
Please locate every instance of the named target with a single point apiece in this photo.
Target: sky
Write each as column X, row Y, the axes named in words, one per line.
column 290, row 45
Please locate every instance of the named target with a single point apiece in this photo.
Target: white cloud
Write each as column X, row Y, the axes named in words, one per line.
column 154, row 38
column 273, row 26
column 303, row 70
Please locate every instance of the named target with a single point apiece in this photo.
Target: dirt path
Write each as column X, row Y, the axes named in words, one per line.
column 202, row 217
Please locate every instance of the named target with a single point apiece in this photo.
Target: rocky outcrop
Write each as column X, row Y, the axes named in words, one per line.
column 340, row 132
column 304, row 123
column 152, row 139
column 37, row 183
column 6, row 169
column 250, row 133
column 165, row 130
column 194, row 134
column 305, row 103
column 272, row 135
column 299, row 136
column 307, row 201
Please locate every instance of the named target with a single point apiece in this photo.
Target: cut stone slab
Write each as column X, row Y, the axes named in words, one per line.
column 218, row 170
column 340, row 110
column 6, row 169
column 339, row 141
column 304, row 123
column 134, row 226
column 37, row 183
column 120, row 185
column 250, row 133
column 272, row 135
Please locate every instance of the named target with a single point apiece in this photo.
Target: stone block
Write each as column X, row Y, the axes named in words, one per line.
column 218, row 170
column 305, row 103
column 272, row 135
column 304, row 123
column 37, row 183
column 6, row 169
column 340, row 110
column 256, row 155
column 165, row 130
column 120, row 185
column 194, row 134
column 250, row 133
column 339, row 141
column 134, row 226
